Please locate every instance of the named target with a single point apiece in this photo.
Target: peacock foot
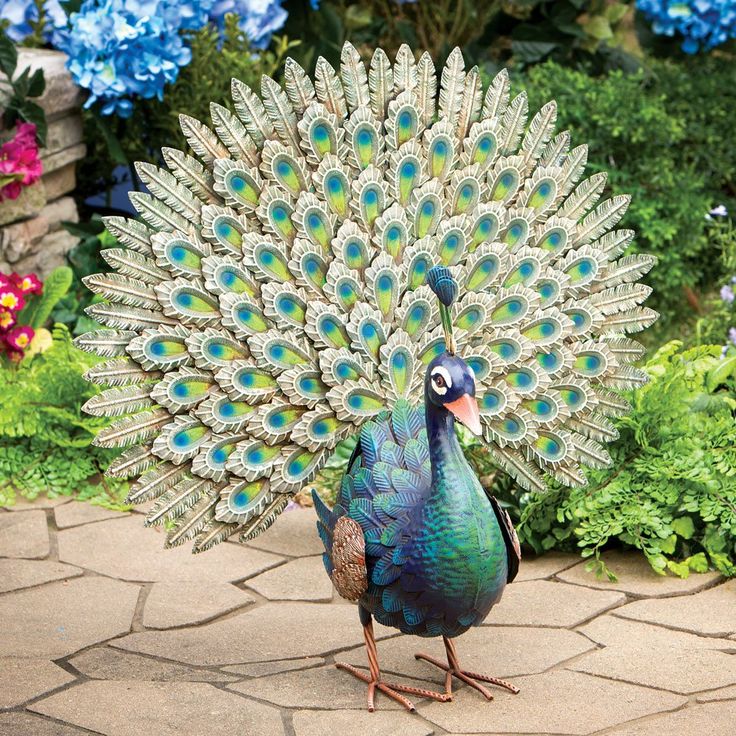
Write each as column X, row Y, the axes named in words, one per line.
column 453, row 669
column 391, row 689
column 375, row 682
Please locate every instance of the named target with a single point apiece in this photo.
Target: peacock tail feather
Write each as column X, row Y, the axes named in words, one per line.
column 272, row 296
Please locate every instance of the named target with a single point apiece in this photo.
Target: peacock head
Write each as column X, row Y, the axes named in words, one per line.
column 450, row 382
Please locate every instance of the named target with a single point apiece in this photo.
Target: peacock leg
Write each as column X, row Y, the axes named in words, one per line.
column 453, row 669
column 393, row 690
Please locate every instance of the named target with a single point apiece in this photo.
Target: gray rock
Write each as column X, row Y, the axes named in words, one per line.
column 61, row 94
column 260, row 669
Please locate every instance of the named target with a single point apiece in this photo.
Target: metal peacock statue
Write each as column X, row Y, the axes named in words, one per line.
column 337, row 252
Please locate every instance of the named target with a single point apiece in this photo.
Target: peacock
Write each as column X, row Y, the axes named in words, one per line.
column 376, row 252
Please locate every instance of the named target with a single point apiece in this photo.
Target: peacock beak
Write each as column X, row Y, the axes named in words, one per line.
column 465, row 410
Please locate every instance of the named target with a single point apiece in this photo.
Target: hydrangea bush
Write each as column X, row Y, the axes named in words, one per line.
column 703, row 24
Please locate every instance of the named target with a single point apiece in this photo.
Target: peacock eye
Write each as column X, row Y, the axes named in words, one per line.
column 439, row 382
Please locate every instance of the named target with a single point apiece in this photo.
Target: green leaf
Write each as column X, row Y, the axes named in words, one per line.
column 33, row 113
column 684, row 527
column 599, row 28
column 529, row 52
column 721, row 373
column 55, row 286
column 117, row 154
column 37, row 84
column 8, row 56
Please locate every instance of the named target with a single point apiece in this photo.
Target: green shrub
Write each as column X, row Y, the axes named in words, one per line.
column 644, row 138
column 671, row 491
column 44, row 436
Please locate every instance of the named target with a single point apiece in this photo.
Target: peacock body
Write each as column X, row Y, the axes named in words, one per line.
column 335, row 253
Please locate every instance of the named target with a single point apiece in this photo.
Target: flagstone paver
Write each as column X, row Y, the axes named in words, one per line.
column 271, row 631
column 18, row 574
column 546, row 603
column 63, row 617
column 294, row 533
column 24, row 724
column 712, row 612
column 107, row 547
column 24, row 679
column 612, row 631
column 716, row 719
column 501, row 651
column 321, row 687
column 260, row 669
column 128, row 708
column 559, row 702
column 105, row 663
column 636, row 577
column 105, row 632
column 24, row 534
column 75, row 513
column 185, row 603
column 324, row 723
column 680, row 670
column 537, row 568
column 299, row 580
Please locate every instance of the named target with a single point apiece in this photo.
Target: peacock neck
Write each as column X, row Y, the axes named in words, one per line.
column 445, row 454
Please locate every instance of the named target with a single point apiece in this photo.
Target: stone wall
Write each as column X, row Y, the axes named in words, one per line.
column 31, row 235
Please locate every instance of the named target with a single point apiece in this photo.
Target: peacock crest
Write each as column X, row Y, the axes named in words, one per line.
column 273, row 296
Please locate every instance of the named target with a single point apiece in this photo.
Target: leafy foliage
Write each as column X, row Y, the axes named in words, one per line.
column 671, row 491
column 44, row 437
column 15, row 103
column 649, row 137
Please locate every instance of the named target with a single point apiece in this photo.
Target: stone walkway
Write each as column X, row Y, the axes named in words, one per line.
column 104, row 632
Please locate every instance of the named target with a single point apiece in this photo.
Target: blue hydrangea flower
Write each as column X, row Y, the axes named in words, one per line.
column 21, row 13
column 703, row 24
column 119, row 49
column 259, row 19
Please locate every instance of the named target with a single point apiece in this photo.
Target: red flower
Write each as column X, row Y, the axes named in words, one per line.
column 11, row 298
column 29, row 284
column 19, row 338
column 7, row 320
column 20, row 165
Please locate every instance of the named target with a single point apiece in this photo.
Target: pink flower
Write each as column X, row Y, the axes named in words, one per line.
column 19, row 338
column 7, row 320
column 11, row 298
column 20, row 165
column 28, row 284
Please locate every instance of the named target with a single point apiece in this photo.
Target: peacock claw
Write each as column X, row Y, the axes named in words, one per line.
column 391, row 689
column 453, row 669
column 375, row 682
